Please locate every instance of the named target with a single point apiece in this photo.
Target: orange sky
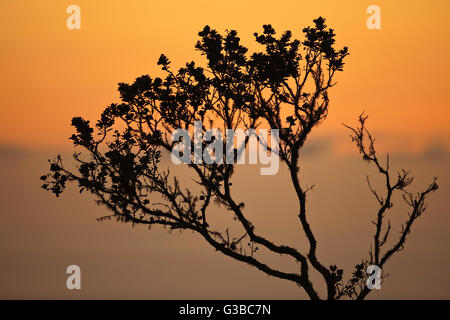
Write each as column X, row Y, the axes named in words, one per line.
column 398, row 75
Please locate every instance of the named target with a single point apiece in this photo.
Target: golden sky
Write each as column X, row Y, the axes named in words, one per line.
column 398, row 75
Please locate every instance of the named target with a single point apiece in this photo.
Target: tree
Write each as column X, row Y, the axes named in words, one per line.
column 284, row 87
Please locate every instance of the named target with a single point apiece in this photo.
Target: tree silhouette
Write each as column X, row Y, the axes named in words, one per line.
column 283, row 87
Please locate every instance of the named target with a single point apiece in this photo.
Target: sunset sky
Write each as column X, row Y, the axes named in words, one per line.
column 398, row 75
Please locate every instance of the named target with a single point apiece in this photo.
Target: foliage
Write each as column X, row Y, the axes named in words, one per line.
column 284, row 86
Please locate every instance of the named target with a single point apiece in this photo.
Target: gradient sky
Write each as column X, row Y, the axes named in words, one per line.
column 398, row 75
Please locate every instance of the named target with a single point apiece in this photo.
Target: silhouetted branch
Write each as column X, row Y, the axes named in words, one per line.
column 121, row 160
column 365, row 144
